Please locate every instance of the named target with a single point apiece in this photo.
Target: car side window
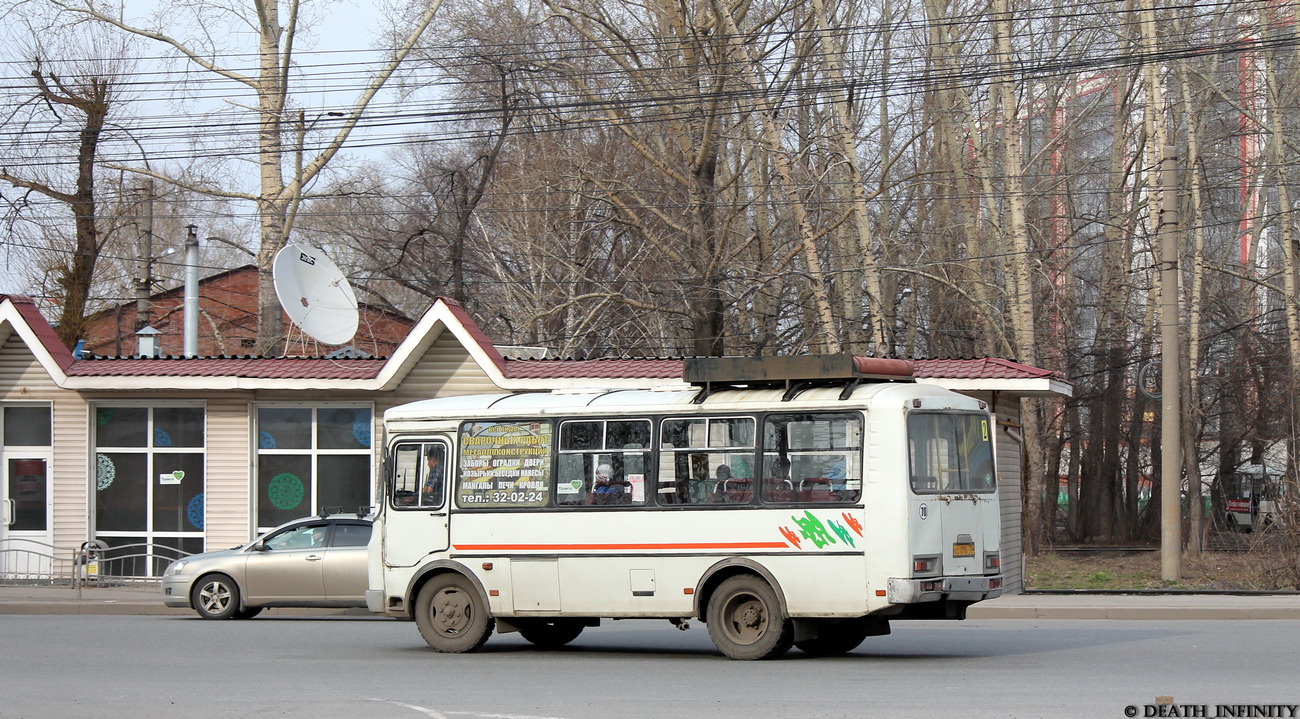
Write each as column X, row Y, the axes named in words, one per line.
column 351, row 535
column 311, row 536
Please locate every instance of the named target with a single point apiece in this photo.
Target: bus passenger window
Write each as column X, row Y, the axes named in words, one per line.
column 602, row 463
column 706, row 461
column 812, row 458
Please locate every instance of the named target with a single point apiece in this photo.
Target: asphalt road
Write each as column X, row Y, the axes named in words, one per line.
column 175, row 667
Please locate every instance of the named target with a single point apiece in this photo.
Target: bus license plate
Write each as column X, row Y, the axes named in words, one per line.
column 963, row 550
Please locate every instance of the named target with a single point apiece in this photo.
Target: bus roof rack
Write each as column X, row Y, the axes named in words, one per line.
column 795, row 373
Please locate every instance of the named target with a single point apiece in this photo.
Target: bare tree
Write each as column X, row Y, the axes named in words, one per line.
column 67, row 105
column 284, row 172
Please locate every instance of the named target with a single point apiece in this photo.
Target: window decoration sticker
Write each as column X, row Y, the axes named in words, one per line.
column 285, row 491
column 265, row 440
column 161, row 438
column 194, row 511
column 105, row 472
column 361, row 427
column 103, row 416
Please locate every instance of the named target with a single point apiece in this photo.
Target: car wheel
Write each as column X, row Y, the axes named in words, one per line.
column 550, row 633
column 215, row 596
column 746, row 620
column 450, row 615
column 835, row 637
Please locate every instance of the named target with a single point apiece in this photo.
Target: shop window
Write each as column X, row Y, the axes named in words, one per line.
column 309, row 458
column 149, row 476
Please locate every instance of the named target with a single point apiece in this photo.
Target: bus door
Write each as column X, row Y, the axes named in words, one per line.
column 418, row 491
column 953, row 496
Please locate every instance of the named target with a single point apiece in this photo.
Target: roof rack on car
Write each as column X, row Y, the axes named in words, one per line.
column 327, row 511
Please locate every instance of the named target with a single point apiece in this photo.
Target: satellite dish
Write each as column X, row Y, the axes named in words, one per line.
column 315, row 294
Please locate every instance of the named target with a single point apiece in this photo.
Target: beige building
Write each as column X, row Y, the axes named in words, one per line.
column 184, row 455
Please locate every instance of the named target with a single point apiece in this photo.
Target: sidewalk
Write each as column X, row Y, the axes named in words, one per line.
column 122, row 601
column 147, row 600
column 1139, row 606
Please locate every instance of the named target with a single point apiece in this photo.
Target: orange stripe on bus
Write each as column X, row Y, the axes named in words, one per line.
column 555, row 547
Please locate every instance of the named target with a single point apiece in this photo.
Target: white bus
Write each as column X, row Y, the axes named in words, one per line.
column 809, row 514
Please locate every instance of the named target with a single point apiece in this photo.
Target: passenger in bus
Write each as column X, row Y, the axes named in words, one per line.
column 607, row 489
column 778, row 487
column 431, row 491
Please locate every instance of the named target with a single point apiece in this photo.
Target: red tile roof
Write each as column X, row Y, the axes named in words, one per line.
column 26, row 307
column 611, row 368
column 671, row 368
column 986, row 368
column 257, row 367
column 475, row 331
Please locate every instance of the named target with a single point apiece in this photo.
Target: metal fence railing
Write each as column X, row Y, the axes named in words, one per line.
column 26, row 561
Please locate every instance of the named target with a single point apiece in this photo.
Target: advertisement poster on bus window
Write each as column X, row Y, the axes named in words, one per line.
column 504, row 464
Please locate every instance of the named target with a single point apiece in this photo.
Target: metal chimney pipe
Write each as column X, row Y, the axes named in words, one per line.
column 191, row 292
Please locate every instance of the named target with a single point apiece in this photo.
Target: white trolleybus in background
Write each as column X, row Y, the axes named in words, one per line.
column 802, row 501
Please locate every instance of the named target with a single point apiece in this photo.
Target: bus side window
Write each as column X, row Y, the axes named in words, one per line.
column 406, row 475
column 434, row 475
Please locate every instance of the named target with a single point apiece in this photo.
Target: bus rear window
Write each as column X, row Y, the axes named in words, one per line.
column 950, row 453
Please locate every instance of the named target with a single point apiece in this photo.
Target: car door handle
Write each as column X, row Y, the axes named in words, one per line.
column 314, row 557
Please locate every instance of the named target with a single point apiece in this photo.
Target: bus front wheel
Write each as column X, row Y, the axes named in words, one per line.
column 746, row 620
column 451, row 616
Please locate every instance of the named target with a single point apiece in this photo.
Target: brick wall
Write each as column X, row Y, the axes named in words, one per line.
column 228, row 323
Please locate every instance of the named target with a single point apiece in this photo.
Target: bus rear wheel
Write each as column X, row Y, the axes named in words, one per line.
column 746, row 620
column 550, row 633
column 451, row 616
column 835, row 637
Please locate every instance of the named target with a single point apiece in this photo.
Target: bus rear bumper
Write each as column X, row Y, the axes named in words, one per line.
column 936, row 589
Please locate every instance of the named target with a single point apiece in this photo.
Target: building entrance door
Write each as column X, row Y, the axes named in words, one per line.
column 26, row 524
column 26, row 548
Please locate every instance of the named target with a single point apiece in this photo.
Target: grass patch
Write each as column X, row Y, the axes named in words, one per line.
column 1141, row 570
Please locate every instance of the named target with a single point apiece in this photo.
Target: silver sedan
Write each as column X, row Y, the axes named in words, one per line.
column 313, row 562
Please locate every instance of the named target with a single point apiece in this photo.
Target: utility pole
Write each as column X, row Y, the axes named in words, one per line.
column 144, row 259
column 1171, row 425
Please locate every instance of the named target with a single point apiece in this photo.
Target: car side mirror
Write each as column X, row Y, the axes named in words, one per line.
column 260, row 547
